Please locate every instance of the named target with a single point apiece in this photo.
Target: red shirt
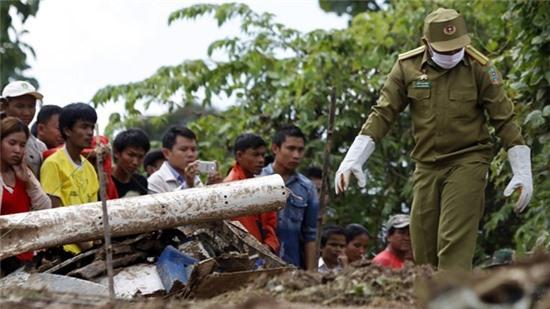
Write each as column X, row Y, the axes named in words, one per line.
column 16, row 202
column 387, row 258
column 267, row 221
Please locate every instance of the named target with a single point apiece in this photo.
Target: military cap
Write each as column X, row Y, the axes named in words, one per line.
column 445, row 30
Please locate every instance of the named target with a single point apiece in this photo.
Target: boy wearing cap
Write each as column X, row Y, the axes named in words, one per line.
column 19, row 101
column 399, row 243
column 451, row 89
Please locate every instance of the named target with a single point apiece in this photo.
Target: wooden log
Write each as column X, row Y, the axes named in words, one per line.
column 52, row 227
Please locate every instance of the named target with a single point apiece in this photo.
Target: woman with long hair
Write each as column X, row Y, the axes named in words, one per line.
column 20, row 191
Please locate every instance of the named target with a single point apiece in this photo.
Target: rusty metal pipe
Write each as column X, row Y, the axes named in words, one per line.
column 128, row 216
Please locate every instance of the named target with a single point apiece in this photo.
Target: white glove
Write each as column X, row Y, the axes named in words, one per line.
column 520, row 161
column 358, row 153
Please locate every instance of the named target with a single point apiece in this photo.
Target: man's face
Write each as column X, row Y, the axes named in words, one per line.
column 81, row 134
column 333, row 248
column 290, row 153
column 22, row 107
column 400, row 240
column 130, row 159
column 252, row 160
column 182, row 153
column 49, row 132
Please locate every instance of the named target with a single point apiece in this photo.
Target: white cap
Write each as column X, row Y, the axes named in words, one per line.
column 19, row 88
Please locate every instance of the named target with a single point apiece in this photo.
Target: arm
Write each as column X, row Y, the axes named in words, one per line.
column 309, row 256
column 501, row 116
column 269, row 224
column 392, row 101
column 309, row 229
column 499, row 108
column 39, row 199
column 51, row 182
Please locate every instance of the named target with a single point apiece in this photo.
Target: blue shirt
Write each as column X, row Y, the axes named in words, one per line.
column 297, row 222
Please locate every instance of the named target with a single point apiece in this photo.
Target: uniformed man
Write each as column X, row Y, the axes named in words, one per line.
column 450, row 88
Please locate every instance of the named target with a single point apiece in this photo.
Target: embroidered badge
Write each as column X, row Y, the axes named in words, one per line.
column 493, row 75
column 449, row 29
column 422, row 84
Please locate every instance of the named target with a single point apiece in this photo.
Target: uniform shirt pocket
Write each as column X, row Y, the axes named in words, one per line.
column 463, row 103
column 419, row 100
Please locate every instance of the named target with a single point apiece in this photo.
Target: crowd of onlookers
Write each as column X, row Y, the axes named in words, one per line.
column 54, row 164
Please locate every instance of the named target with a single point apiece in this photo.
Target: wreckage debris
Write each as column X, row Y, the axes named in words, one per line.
column 130, row 216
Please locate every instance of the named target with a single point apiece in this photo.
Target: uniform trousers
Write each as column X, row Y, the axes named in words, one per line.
column 448, row 204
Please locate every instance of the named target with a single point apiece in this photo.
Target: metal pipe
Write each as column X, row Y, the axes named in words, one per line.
column 129, row 216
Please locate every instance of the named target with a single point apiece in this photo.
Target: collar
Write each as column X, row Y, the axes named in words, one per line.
column 291, row 178
column 71, row 159
column 237, row 172
column 176, row 175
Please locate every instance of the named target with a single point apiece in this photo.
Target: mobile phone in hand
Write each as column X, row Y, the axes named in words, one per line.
column 207, row 167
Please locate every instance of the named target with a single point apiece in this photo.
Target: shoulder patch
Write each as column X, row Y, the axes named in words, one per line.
column 413, row 52
column 494, row 76
column 477, row 55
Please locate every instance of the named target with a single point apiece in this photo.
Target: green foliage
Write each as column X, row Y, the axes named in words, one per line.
column 13, row 51
column 276, row 75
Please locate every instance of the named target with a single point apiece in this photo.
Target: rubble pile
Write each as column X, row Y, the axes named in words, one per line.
column 360, row 284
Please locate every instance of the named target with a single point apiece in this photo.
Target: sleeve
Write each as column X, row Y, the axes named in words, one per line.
column 269, row 224
column 392, row 101
column 499, row 108
column 39, row 199
column 50, row 178
column 309, row 227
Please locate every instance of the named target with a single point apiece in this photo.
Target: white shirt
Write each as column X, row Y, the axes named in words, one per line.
column 164, row 180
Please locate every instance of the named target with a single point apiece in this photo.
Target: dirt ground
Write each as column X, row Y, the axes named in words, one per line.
column 363, row 286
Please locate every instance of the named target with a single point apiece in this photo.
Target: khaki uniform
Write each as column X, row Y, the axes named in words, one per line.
column 449, row 111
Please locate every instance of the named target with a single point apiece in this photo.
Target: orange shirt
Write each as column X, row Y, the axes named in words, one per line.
column 262, row 226
column 386, row 258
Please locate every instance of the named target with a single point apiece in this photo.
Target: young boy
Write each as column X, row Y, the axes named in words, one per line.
column 66, row 176
column 333, row 243
column 129, row 149
column 180, row 170
column 47, row 126
column 249, row 156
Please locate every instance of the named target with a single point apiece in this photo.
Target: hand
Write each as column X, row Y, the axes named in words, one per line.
column 191, row 171
column 214, row 178
column 358, row 153
column 520, row 161
column 343, row 260
column 22, row 170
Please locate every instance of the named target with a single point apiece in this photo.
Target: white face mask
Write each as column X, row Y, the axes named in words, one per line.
column 447, row 61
